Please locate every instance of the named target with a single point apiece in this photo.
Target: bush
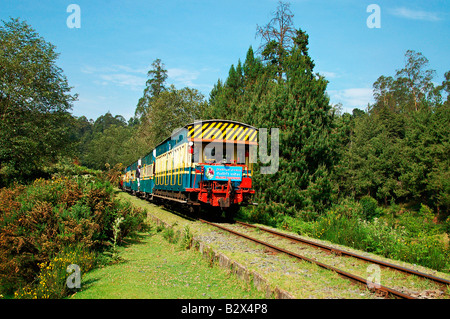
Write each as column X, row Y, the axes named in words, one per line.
column 170, row 235
column 51, row 280
column 134, row 219
column 369, row 207
column 397, row 233
column 411, row 243
column 47, row 221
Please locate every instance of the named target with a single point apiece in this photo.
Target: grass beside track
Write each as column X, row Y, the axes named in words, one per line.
column 310, row 281
column 153, row 268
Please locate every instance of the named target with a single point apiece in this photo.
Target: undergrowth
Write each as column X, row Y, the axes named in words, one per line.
column 183, row 239
column 393, row 232
column 50, row 224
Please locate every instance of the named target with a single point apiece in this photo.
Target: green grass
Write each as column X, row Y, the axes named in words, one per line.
column 154, row 268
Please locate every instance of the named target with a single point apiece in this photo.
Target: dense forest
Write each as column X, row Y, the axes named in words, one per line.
column 392, row 155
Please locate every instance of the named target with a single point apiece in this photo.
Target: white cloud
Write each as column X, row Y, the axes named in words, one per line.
column 134, row 78
column 88, row 69
column 188, row 78
column 132, row 81
column 121, row 75
column 352, row 98
column 415, row 14
column 133, row 70
column 183, row 76
column 329, row 75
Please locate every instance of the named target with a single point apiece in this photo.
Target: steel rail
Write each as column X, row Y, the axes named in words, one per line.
column 354, row 255
column 377, row 287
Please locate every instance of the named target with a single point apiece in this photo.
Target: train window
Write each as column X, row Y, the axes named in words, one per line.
column 209, row 154
column 214, row 153
column 240, row 156
column 228, row 153
column 196, row 155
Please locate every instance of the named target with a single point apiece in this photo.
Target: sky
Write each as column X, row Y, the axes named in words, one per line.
column 107, row 47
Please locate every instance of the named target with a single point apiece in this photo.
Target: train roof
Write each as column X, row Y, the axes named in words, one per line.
column 208, row 130
column 217, row 129
column 220, row 120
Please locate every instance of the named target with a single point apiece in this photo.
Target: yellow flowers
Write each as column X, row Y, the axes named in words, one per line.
column 51, row 281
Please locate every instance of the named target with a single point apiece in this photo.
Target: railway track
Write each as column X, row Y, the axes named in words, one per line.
column 378, row 288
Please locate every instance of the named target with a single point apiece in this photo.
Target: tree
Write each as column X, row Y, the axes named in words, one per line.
column 415, row 78
column 382, row 92
column 172, row 109
column 277, row 36
column 81, row 135
column 444, row 88
column 154, row 86
column 280, row 29
column 300, row 108
column 105, row 121
column 284, row 92
column 35, row 101
column 411, row 88
column 252, row 68
column 230, row 99
column 399, row 150
column 112, row 146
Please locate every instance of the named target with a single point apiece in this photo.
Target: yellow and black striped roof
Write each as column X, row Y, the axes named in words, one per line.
column 222, row 130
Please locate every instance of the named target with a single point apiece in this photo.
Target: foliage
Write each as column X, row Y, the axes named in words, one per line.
column 106, row 142
column 116, row 232
column 50, row 282
column 280, row 90
column 170, row 110
column 34, row 103
column 154, row 86
column 277, row 37
column 408, row 236
column 66, row 166
column 399, row 150
column 109, row 147
column 186, row 241
column 386, row 169
column 47, row 220
column 369, row 207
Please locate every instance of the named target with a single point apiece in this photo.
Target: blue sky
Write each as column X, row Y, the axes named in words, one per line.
column 106, row 60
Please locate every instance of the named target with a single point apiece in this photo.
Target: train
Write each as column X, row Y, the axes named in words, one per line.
column 205, row 166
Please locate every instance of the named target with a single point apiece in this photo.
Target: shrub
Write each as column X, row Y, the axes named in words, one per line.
column 369, row 207
column 134, row 219
column 51, row 280
column 186, row 241
column 41, row 222
column 390, row 240
column 169, row 235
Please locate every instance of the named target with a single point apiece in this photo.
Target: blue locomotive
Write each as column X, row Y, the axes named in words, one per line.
column 205, row 164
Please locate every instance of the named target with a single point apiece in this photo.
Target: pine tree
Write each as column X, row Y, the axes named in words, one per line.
column 399, row 151
column 155, row 85
column 280, row 90
column 300, row 108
